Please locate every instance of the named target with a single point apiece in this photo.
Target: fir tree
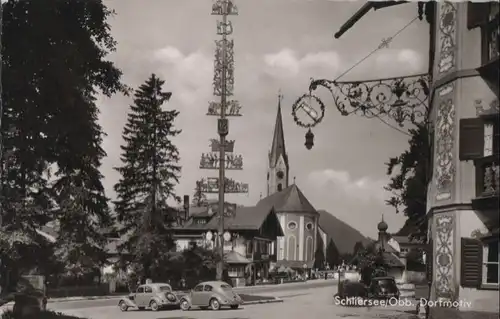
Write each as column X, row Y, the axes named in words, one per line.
column 332, row 254
column 409, row 185
column 149, row 174
column 199, row 198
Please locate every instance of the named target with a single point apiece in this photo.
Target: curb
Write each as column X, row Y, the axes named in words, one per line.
column 264, row 301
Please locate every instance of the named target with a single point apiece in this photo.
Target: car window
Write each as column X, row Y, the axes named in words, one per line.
column 207, row 288
column 226, row 287
column 140, row 290
column 386, row 282
column 198, row 288
column 165, row 288
column 148, row 289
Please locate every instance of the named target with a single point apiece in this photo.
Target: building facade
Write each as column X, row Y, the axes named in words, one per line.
column 463, row 193
column 297, row 217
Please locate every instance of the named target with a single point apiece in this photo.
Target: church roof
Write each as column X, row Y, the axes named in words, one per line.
column 278, row 146
column 291, row 199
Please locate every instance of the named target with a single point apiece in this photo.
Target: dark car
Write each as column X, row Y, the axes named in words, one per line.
column 383, row 288
column 350, row 289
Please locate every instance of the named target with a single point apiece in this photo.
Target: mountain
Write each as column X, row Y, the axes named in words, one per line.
column 344, row 236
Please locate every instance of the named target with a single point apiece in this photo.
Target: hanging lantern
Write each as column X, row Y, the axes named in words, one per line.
column 227, row 236
column 309, row 139
column 209, row 236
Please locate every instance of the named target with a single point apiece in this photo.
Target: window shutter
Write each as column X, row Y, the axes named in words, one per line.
column 477, row 14
column 472, row 263
column 471, row 139
column 496, row 136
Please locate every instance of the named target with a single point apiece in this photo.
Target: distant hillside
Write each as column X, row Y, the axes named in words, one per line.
column 344, row 236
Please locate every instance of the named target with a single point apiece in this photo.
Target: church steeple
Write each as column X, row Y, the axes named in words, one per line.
column 277, row 175
column 278, row 146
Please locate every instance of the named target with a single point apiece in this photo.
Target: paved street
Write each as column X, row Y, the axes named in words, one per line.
column 276, row 290
column 315, row 303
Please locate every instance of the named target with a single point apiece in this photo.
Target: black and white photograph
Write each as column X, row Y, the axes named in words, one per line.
column 249, row 159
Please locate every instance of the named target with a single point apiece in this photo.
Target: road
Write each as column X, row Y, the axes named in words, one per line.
column 312, row 303
column 276, row 290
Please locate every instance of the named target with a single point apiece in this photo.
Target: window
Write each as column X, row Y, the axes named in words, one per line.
column 490, row 263
column 226, row 287
column 489, row 34
column 207, row 288
column 140, row 290
column 148, row 289
column 198, row 288
column 235, row 271
column 292, row 225
column 309, row 226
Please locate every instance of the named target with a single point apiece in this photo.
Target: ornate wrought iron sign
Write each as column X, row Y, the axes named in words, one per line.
column 305, row 114
column 233, row 108
column 211, row 185
column 224, row 28
column 403, row 99
column 212, row 161
column 216, row 146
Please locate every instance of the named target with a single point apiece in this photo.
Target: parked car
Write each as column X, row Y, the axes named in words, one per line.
column 154, row 296
column 211, row 294
column 383, row 288
column 349, row 289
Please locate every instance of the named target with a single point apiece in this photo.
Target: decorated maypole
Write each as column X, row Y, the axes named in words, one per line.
column 221, row 156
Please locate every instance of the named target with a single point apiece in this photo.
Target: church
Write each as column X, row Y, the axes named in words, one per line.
column 298, row 218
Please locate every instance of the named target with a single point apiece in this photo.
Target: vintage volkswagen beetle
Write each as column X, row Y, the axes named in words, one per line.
column 154, row 296
column 211, row 294
column 383, row 288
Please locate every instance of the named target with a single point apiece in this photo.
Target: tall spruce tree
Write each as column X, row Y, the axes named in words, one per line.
column 332, row 254
column 149, row 174
column 410, row 174
column 199, row 198
column 53, row 66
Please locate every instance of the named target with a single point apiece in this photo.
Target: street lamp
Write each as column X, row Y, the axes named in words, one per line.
column 309, row 139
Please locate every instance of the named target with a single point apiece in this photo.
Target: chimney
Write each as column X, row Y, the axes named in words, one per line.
column 186, row 207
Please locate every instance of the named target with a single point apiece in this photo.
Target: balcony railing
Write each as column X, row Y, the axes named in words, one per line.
column 487, row 173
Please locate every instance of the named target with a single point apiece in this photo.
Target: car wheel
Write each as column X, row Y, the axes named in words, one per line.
column 154, row 305
column 234, row 306
column 123, row 306
column 214, row 304
column 184, row 304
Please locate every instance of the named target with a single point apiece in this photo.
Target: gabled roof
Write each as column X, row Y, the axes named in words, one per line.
column 234, row 257
column 278, row 146
column 289, row 200
column 244, row 218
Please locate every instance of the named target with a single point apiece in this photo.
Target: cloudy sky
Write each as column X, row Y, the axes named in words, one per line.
column 279, row 44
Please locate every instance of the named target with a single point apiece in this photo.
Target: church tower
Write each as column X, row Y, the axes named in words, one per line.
column 278, row 169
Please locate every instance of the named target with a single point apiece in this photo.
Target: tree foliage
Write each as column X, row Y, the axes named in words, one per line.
column 149, row 174
column 319, row 259
column 358, row 246
column 371, row 264
column 199, row 197
column 332, row 254
column 53, row 66
column 410, row 174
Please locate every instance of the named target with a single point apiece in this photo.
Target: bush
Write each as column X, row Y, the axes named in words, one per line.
column 42, row 315
column 79, row 291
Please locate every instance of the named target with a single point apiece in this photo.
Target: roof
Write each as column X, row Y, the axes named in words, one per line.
column 289, row 200
column 245, row 218
column 392, row 260
column 405, row 240
column 233, row 257
column 278, row 146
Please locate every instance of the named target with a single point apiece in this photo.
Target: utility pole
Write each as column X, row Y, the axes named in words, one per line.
column 221, row 157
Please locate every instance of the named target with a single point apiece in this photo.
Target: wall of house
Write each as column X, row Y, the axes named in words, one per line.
column 299, row 241
column 457, row 90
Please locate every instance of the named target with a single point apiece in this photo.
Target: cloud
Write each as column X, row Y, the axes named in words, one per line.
column 408, row 60
column 287, row 63
column 190, row 75
column 365, row 188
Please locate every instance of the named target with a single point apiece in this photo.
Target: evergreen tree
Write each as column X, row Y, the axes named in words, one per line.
column 149, row 174
column 332, row 254
column 199, row 198
column 409, row 185
column 319, row 259
column 53, row 66
column 358, row 246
